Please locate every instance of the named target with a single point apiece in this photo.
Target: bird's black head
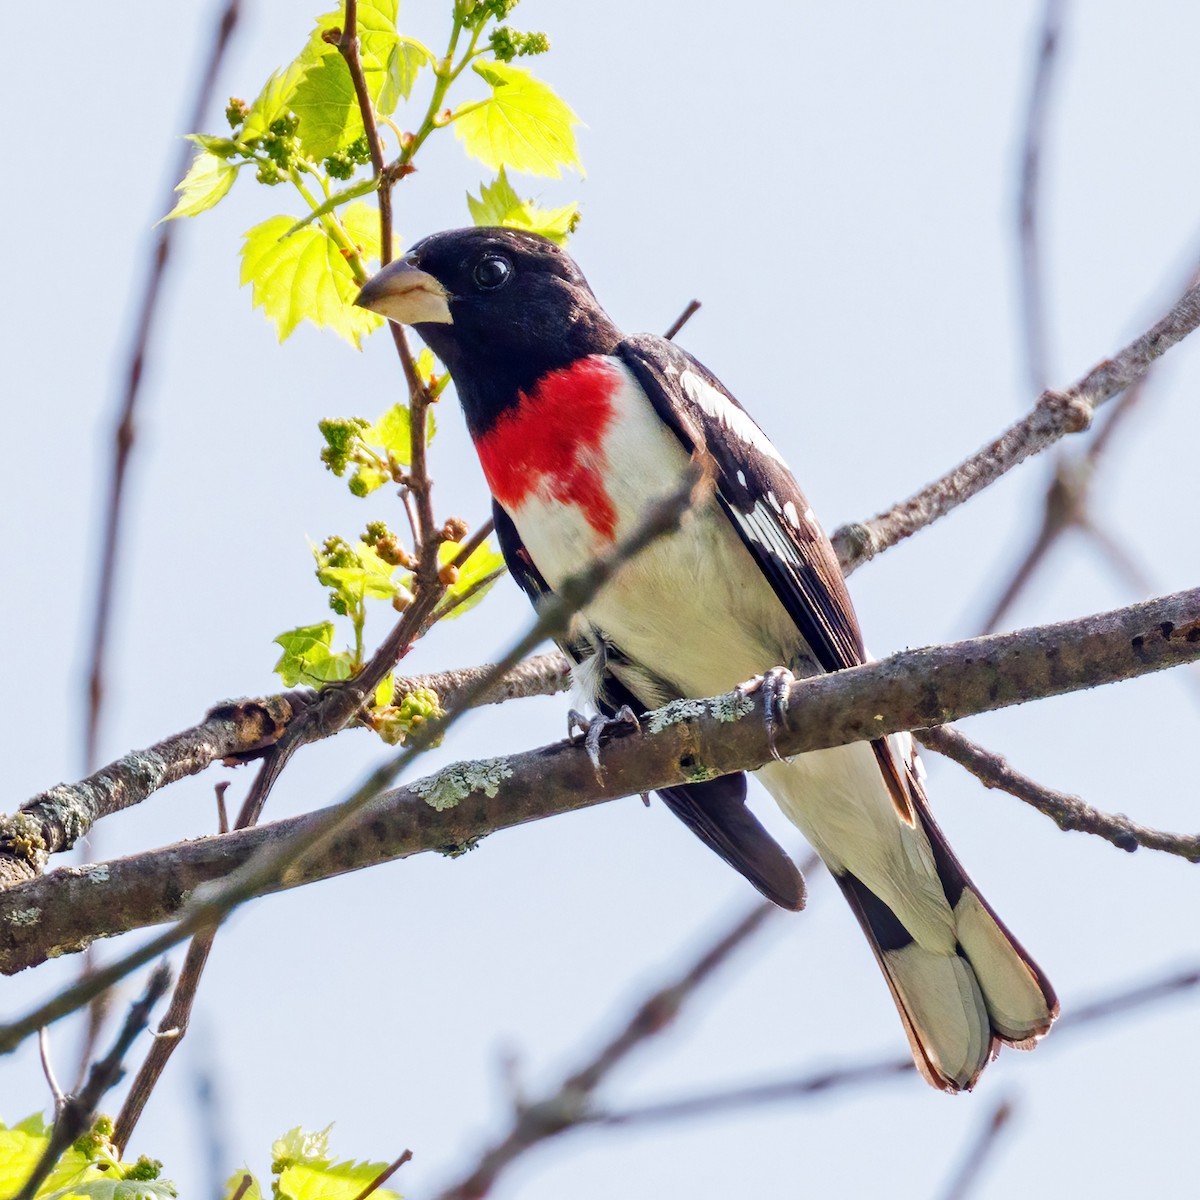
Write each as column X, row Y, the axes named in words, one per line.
column 498, row 306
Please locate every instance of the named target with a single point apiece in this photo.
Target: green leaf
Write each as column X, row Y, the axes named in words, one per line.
column 393, row 433
column 331, row 1181
column 326, row 102
column 373, row 577
column 482, row 562
column 307, row 658
column 361, row 223
column 20, row 1150
column 303, row 277
column 523, row 124
column 385, row 692
column 275, row 99
column 327, row 107
column 207, row 180
column 499, row 204
column 404, row 62
column 299, row 1144
column 116, row 1189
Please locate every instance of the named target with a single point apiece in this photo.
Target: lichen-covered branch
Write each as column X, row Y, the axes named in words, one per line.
column 59, row 816
column 685, row 741
column 1054, row 415
column 1066, row 811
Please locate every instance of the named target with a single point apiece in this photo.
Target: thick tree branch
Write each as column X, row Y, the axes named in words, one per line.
column 917, row 689
column 57, row 818
column 1066, row 811
column 1054, row 415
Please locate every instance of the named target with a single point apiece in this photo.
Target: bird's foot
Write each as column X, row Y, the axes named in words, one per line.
column 593, row 729
column 776, row 686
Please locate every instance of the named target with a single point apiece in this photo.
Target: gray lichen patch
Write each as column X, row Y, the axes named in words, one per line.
column 454, row 783
column 729, row 707
column 25, row 916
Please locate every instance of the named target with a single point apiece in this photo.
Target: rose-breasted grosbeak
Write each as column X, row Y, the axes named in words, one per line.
column 578, row 428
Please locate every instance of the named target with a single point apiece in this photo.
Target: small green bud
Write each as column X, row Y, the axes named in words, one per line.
column 358, row 485
column 267, row 173
column 236, row 111
column 144, row 1168
column 338, row 165
column 358, row 150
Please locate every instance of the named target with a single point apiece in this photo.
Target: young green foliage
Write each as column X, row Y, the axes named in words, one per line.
column 524, row 124
column 471, row 580
column 302, row 1169
column 90, row 1167
column 499, row 204
column 306, row 128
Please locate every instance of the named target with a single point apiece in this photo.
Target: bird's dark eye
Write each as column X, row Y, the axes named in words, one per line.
column 492, row 272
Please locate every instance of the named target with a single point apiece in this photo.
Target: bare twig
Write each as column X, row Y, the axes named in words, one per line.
column 1068, row 503
column 171, row 1031
column 693, row 307
column 77, row 1112
column 569, row 1104
column 980, row 1150
column 222, row 813
column 912, row 690
column 384, row 1175
column 1055, row 415
column 126, row 428
column 243, row 1187
column 1033, row 305
column 1066, row 811
column 52, row 1083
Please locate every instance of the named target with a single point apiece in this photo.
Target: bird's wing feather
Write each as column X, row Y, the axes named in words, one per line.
column 765, row 505
column 714, row 810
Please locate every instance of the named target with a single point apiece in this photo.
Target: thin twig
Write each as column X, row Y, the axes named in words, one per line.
column 693, row 307
column 1055, row 415
column 48, row 1071
column 982, row 1145
column 123, row 441
column 1066, row 811
column 171, row 1031
column 79, row 1111
column 243, row 1187
column 1033, row 302
column 384, row 1175
column 144, row 329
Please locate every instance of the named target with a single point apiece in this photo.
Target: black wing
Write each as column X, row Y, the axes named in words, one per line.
column 765, row 505
column 715, row 811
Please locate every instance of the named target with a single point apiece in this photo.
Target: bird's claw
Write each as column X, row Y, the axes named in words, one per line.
column 776, row 687
column 595, row 728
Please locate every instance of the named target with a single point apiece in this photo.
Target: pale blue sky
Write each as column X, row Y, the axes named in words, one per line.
column 836, row 184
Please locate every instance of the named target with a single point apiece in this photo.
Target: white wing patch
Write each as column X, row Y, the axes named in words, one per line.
column 717, row 406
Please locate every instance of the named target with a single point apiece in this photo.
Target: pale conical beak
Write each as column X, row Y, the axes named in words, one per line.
column 406, row 294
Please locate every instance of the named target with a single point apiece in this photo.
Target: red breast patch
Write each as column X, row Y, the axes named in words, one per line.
column 551, row 442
